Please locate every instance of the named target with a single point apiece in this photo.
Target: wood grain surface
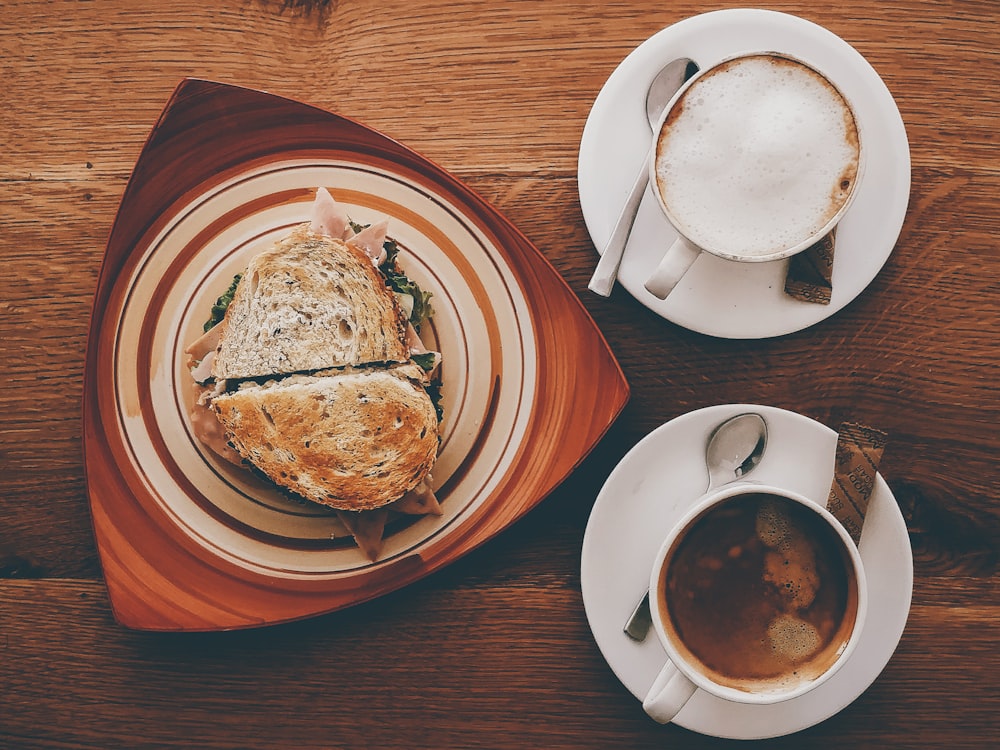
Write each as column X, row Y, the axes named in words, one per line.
column 494, row 651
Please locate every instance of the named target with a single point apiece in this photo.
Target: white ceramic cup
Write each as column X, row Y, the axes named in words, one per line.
column 746, row 164
column 684, row 674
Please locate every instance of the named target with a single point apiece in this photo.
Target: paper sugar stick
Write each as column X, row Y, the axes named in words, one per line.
column 859, row 450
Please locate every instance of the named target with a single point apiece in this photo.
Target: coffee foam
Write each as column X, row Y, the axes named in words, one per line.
column 791, row 566
column 792, row 639
column 757, row 156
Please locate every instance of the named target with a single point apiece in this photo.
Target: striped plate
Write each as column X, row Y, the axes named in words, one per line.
column 189, row 542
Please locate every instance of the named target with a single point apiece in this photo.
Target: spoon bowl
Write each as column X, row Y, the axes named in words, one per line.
column 735, row 448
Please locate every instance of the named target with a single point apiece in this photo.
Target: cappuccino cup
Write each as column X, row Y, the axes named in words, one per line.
column 758, row 595
column 756, row 158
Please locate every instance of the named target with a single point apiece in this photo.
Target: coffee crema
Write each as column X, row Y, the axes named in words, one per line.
column 757, row 156
column 759, row 594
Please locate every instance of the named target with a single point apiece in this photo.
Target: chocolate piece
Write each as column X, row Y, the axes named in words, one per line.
column 810, row 273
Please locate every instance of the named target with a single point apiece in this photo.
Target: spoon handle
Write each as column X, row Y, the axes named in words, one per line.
column 607, row 267
column 639, row 621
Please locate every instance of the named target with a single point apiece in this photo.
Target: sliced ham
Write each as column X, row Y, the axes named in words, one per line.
column 370, row 240
column 329, row 217
column 203, row 370
column 366, row 527
column 207, row 342
column 208, row 429
column 420, row 501
column 416, row 346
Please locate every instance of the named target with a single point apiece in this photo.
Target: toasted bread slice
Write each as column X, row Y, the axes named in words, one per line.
column 354, row 440
column 312, row 302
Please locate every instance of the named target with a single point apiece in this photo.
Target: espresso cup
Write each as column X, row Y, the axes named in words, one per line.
column 756, row 158
column 758, row 595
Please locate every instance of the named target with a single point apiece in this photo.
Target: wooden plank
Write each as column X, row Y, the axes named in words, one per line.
column 455, row 83
column 71, row 677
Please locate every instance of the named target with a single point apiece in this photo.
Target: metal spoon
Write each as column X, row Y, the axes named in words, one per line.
column 734, row 449
column 663, row 87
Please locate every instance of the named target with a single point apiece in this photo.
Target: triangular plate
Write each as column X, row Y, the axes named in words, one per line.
column 188, row 542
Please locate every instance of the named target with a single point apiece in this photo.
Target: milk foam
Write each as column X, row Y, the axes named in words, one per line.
column 757, row 157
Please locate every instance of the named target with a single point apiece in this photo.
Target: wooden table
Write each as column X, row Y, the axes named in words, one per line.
column 494, row 651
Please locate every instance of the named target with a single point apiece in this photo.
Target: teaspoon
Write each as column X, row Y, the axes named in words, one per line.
column 734, row 449
column 665, row 84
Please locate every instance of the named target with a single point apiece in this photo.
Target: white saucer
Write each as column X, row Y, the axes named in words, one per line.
column 718, row 297
column 650, row 489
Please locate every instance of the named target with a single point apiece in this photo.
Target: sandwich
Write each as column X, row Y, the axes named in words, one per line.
column 353, row 439
column 312, row 374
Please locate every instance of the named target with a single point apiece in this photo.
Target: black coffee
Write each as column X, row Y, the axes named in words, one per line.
column 760, row 592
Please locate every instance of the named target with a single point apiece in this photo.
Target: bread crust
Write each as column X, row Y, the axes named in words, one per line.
column 311, row 302
column 353, row 440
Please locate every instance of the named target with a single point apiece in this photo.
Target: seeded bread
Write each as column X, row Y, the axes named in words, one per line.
column 355, row 439
column 310, row 303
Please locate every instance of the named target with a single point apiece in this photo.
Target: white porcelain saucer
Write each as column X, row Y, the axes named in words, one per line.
column 718, row 297
column 650, row 489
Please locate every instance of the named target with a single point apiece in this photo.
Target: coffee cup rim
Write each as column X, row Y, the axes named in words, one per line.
column 784, row 252
column 702, row 681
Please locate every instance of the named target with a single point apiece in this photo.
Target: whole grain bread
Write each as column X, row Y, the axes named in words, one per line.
column 311, row 302
column 353, row 439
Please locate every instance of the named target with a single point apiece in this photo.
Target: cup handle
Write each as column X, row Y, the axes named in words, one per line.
column 672, row 268
column 668, row 694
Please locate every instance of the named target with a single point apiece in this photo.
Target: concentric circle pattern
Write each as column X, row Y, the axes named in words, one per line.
column 187, row 268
